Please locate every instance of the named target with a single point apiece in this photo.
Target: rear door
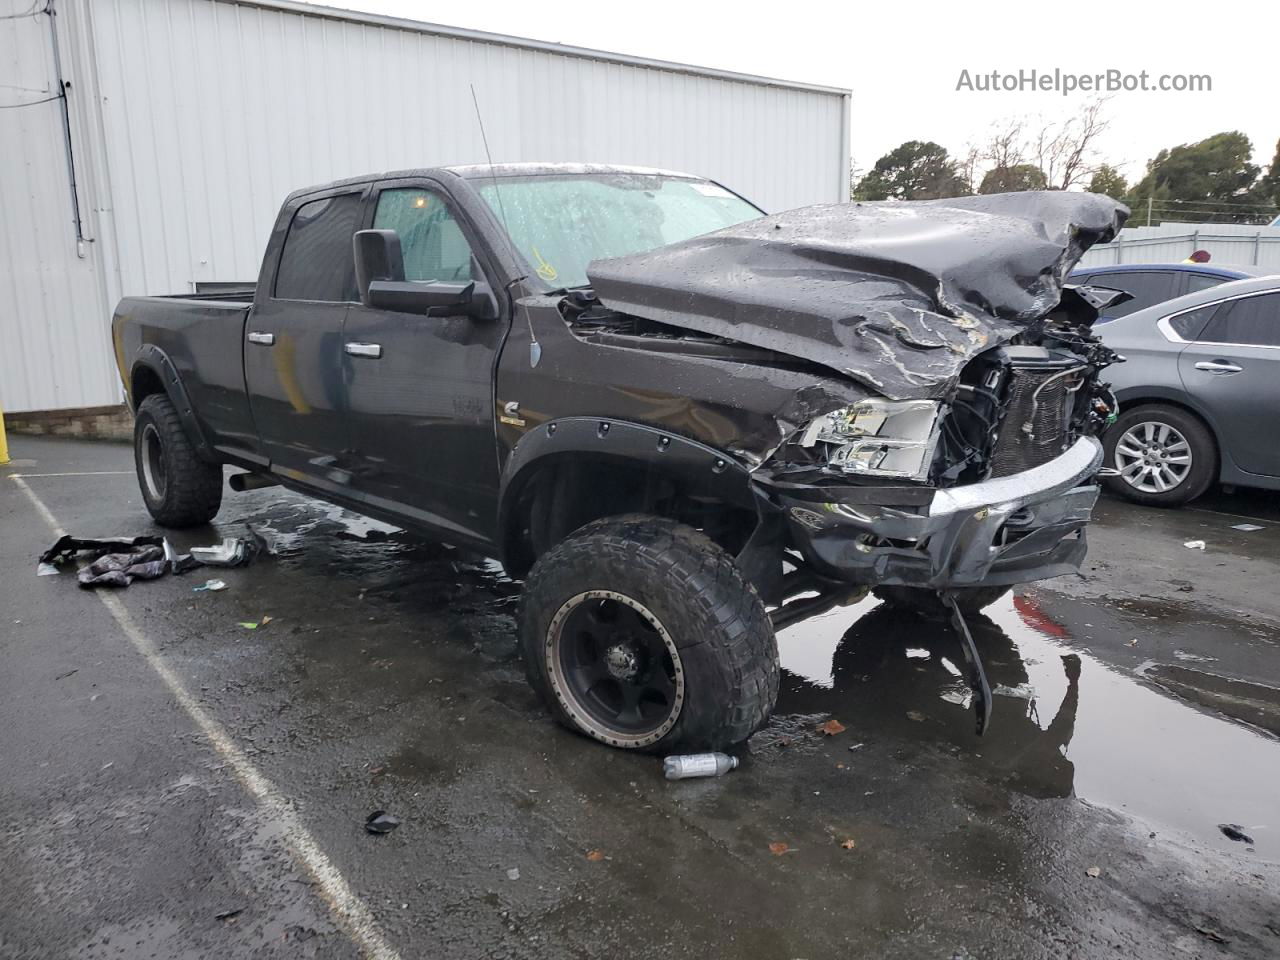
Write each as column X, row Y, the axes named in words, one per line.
column 420, row 388
column 1233, row 369
column 293, row 342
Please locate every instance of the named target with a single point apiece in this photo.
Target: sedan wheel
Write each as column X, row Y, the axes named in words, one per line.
column 1153, row 457
column 1163, row 455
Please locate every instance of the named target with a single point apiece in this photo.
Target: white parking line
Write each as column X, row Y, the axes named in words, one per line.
column 89, row 473
column 347, row 909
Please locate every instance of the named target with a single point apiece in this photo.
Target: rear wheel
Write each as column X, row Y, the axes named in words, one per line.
column 178, row 488
column 927, row 603
column 640, row 633
column 1165, row 456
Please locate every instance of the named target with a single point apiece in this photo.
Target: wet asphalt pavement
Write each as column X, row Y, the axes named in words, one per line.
column 178, row 785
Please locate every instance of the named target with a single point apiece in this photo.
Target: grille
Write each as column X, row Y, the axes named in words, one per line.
column 1036, row 427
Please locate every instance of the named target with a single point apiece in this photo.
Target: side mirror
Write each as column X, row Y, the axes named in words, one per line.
column 380, row 280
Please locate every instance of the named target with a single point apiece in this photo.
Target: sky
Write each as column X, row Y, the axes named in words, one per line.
column 904, row 60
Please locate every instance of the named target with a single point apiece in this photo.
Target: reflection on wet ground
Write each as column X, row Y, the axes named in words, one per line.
column 1065, row 723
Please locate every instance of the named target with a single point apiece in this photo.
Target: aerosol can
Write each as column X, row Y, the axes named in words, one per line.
column 698, row 765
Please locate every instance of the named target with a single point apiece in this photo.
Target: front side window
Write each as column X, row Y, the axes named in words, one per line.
column 561, row 223
column 431, row 241
column 317, row 262
column 1147, row 288
column 1249, row 320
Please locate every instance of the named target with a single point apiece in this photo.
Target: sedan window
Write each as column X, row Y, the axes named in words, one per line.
column 1249, row 320
column 1203, row 281
column 1147, row 288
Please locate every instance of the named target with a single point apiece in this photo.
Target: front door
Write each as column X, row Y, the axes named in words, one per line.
column 420, row 388
column 1233, row 368
column 293, row 343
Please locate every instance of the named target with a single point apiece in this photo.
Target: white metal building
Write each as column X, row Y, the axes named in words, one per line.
column 189, row 120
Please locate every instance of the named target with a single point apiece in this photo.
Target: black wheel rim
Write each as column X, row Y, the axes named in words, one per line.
column 615, row 669
column 153, row 468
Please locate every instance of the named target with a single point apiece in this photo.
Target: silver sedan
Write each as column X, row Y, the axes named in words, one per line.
column 1199, row 393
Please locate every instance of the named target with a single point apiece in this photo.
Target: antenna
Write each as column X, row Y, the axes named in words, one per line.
column 535, row 348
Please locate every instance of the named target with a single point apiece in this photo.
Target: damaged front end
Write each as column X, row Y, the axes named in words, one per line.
column 989, row 486
column 970, row 461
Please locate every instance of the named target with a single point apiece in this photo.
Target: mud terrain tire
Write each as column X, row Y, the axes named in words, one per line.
column 178, row 488
column 640, row 632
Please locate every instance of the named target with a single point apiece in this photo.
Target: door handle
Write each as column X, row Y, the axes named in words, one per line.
column 266, row 339
column 1218, row 366
column 373, row 350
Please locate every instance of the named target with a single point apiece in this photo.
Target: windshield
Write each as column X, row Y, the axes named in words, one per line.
column 561, row 224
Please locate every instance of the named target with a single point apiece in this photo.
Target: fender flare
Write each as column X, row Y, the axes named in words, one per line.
column 698, row 467
column 151, row 357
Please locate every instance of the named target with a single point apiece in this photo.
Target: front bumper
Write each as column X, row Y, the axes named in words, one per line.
column 1014, row 529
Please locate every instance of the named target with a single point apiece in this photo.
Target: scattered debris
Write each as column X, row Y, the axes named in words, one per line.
column 1023, row 691
column 1194, row 544
column 916, row 715
column 228, row 914
column 595, row 856
column 848, row 843
column 778, row 849
column 513, row 873
column 1233, row 831
column 856, row 746
column 1247, row 527
column 212, row 585
column 116, row 561
column 1132, row 643
column 248, row 624
column 832, row 727
column 232, row 551
column 698, row 765
column 381, row 822
column 63, row 676
column 1094, row 871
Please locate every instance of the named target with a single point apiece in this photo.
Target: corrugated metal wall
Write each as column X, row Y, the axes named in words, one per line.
column 1229, row 244
column 198, row 116
column 54, row 350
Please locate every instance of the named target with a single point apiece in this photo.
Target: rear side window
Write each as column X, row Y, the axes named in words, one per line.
column 1188, row 325
column 1202, row 281
column 317, row 262
column 1249, row 320
column 1147, row 288
column 431, row 241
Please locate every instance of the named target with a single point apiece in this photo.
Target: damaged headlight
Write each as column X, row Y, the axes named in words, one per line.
column 879, row 438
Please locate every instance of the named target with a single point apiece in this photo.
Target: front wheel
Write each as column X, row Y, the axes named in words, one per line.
column 1164, row 456
column 927, row 603
column 639, row 632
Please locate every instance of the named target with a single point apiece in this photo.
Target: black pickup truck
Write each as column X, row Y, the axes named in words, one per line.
column 682, row 422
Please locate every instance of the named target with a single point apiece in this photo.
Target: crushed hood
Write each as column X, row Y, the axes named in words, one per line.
column 898, row 296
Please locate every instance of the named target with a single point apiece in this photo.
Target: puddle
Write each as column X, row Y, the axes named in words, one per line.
column 1063, row 722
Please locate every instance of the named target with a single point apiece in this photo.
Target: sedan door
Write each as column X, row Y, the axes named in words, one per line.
column 293, row 342
column 1233, row 370
column 420, row 388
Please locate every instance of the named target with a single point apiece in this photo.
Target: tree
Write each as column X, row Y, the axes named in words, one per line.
column 1064, row 152
column 1212, row 181
column 915, row 170
column 1021, row 176
column 1108, row 180
column 1271, row 184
